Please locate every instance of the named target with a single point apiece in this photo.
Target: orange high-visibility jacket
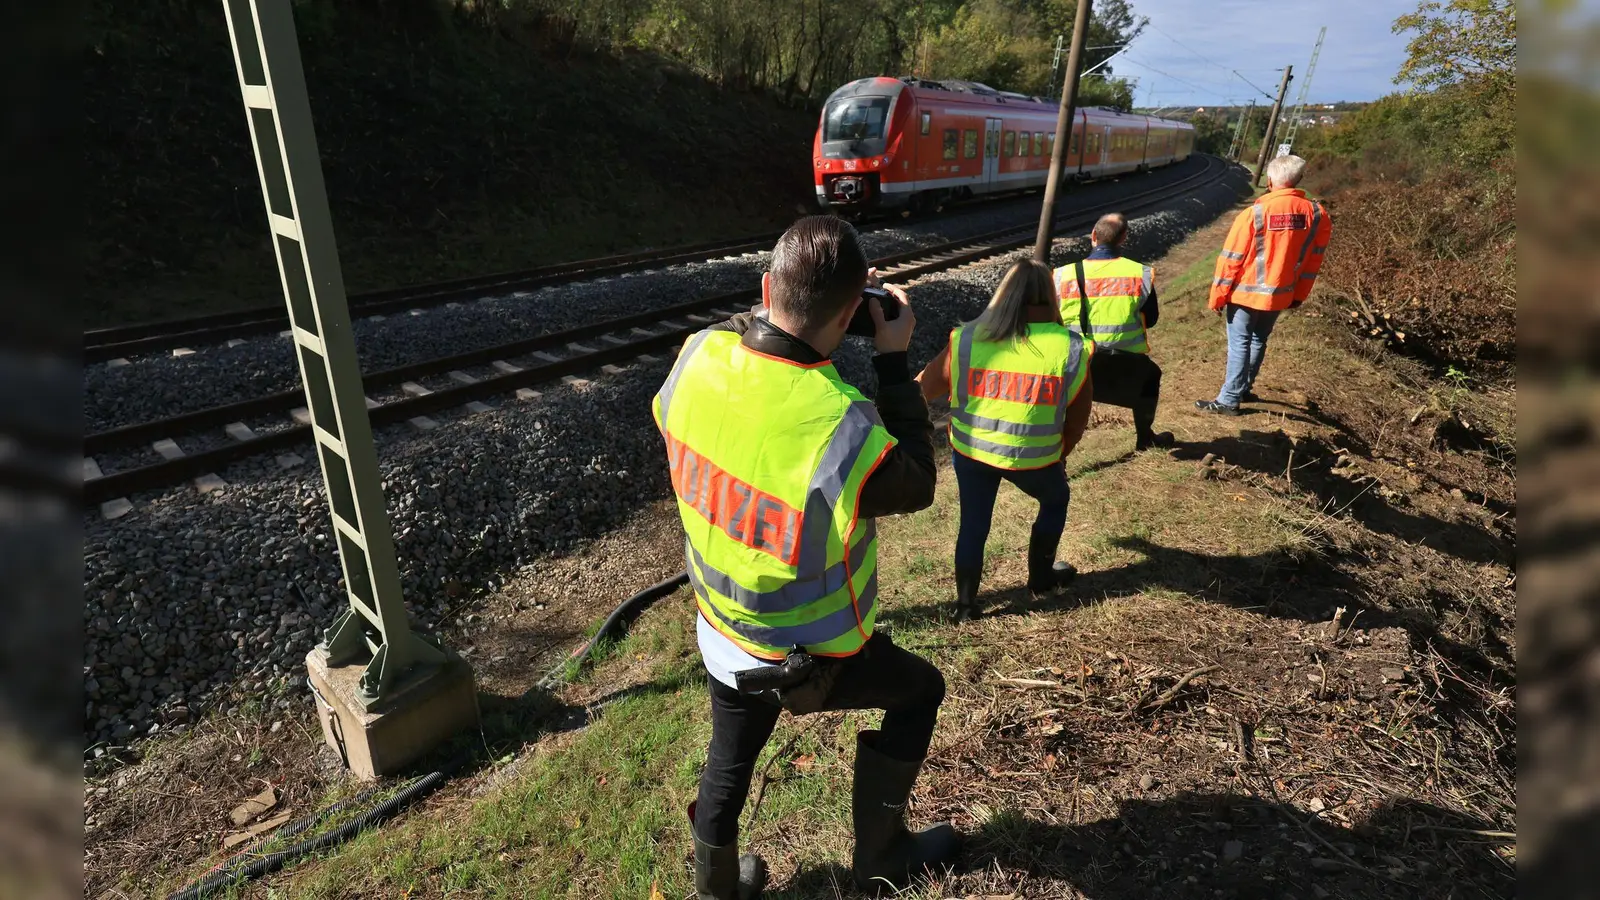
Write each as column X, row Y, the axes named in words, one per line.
column 1273, row 253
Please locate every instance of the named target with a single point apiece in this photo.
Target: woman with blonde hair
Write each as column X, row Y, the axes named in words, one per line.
column 1018, row 382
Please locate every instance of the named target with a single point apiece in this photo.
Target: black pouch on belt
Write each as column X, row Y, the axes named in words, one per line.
column 801, row 682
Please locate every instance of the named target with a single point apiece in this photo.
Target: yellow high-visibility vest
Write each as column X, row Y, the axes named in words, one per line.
column 1117, row 289
column 1009, row 399
column 768, row 458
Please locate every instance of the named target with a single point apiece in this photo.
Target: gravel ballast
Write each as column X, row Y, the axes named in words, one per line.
column 161, row 385
column 194, row 602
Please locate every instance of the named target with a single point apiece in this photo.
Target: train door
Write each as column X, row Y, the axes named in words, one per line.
column 991, row 155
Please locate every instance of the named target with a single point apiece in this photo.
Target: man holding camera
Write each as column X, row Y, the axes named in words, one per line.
column 779, row 468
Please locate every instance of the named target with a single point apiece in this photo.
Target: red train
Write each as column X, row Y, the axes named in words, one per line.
column 909, row 142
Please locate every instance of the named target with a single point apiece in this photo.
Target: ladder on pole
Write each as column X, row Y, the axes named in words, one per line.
column 1305, row 88
column 374, row 627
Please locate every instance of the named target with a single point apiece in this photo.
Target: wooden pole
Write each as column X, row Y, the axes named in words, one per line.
column 1064, row 123
column 1272, row 124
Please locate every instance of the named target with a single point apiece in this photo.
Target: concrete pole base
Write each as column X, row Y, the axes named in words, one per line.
column 427, row 707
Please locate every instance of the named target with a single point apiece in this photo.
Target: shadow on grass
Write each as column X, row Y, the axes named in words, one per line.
column 1208, row 845
column 509, row 724
column 1272, row 454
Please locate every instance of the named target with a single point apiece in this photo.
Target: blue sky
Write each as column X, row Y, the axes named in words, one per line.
column 1184, row 58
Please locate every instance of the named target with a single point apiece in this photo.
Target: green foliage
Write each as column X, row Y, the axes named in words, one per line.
column 1010, row 45
column 801, row 50
column 1461, row 109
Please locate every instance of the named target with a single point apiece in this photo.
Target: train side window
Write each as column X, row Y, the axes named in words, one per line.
column 950, row 143
column 969, row 143
column 1023, row 142
column 1011, row 143
column 1072, row 144
column 1038, row 143
column 927, row 122
column 1050, row 142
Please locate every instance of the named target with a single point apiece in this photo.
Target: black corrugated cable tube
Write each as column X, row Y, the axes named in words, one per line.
column 272, row 862
column 239, row 869
column 619, row 620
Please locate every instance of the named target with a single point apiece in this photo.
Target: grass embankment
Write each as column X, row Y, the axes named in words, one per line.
column 449, row 149
column 1283, row 671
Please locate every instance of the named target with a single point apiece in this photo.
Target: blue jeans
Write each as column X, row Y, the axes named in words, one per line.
column 979, row 483
column 1248, row 330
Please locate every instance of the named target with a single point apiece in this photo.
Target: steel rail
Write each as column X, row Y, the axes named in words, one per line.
column 904, row 266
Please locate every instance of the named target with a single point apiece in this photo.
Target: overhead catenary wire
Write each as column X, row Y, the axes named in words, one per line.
column 1197, row 53
column 1253, row 84
column 1184, row 81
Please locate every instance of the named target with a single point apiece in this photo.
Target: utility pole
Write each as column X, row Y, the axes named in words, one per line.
column 386, row 694
column 1272, row 124
column 1305, row 88
column 1237, row 143
column 1064, row 123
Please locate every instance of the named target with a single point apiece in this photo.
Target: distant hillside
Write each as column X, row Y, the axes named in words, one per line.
column 448, row 150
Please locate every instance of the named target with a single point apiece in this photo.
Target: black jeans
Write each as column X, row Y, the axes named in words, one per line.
column 882, row 676
column 1124, row 379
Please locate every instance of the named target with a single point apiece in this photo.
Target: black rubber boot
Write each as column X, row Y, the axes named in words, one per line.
column 1144, row 420
column 720, row 873
column 1045, row 575
column 887, row 855
column 967, row 607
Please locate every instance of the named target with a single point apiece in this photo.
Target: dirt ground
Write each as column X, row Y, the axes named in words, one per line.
column 1339, row 713
column 167, row 811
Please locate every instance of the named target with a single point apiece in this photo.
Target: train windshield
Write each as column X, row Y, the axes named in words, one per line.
column 856, row 119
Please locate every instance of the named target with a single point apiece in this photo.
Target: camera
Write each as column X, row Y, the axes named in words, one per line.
column 861, row 323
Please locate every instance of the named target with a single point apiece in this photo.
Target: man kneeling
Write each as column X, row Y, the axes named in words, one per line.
column 779, row 468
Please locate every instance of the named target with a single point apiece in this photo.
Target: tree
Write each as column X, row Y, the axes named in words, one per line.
column 1461, row 63
column 1460, row 42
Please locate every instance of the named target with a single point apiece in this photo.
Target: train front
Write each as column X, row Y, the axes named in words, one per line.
column 856, row 143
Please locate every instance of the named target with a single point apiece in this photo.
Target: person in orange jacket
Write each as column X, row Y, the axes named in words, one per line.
column 1268, row 265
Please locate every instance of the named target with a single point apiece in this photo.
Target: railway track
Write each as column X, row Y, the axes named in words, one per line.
column 398, row 395
column 105, row 344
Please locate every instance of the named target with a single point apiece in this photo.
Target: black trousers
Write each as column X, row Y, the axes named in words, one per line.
column 1124, row 379
column 882, row 676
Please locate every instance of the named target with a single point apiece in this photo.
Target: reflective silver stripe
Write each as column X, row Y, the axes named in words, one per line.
column 1262, row 289
column 792, row 594
column 670, row 386
column 1111, row 329
column 844, row 450
column 1149, row 282
column 1223, row 282
column 830, row 627
column 1007, row 450
column 963, row 363
column 1316, row 219
column 1015, row 429
column 1261, row 244
column 1229, row 254
column 1069, row 375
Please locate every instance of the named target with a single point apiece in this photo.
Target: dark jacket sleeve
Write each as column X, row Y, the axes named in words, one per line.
column 1150, row 309
column 904, row 480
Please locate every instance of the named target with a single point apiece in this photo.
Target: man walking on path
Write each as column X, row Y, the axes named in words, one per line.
column 1120, row 311
column 1268, row 265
